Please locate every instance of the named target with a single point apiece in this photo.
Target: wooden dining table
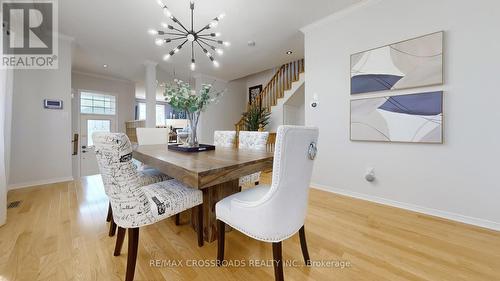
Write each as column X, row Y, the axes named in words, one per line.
column 216, row 173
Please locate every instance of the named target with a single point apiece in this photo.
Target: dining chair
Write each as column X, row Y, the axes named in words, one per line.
column 134, row 205
column 146, row 177
column 225, row 139
column 252, row 141
column 276, row 212
column 152, row 136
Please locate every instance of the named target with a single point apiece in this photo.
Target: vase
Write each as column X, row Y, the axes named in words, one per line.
column 193, row 118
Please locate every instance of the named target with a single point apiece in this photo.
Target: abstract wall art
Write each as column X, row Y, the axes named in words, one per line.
column 416, row 118
column 408, row 64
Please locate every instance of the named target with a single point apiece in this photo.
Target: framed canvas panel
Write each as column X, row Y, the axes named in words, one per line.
column 408, row 64
column 413, row 118
column 253, row 92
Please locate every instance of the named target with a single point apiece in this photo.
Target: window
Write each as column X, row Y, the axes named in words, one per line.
column 93, row 103
column 160, row 113
column 97, row 126
column 142, row 111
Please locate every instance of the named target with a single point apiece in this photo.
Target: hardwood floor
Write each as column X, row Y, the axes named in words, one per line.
column 59, row 233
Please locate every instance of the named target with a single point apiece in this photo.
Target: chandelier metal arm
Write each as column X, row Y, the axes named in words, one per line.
column 174, row 19
column 206, row 35
column 176, row 38
column 210, row 46
column 176, row 29
column 192, row 51
column 202, row 48
column 192, row 15
column 171, row 33
column 180, row 46
column 216, row 41
column 204, row 28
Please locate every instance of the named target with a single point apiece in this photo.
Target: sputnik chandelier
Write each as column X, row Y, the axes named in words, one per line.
column 202, row 38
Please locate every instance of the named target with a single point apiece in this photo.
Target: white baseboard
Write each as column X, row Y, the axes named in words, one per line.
column 415, row 208
column 40, row 182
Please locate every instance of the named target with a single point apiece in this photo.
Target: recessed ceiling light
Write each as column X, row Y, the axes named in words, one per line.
column 251, row 43
column 289, row 52
column 105, row 66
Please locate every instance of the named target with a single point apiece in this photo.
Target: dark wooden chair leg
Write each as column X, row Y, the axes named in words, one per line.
column 200, row 225
column 221, row 232
column 177, row 219
column 119, row 241
column 110, row 213
column 278, row 262
column 112, row 228
column 303, row 245
column 133, row 243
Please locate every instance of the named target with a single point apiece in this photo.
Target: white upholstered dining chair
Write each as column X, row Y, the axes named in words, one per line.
column 135, row 205
column 252, row 141
column 225, row 139
column 276, row 212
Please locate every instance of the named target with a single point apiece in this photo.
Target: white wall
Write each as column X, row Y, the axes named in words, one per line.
column 224, row 114
column 124, row 91
column 458, row 179
column 259, row 78
column 5, row 118
column 293, row 108
column 41, row 140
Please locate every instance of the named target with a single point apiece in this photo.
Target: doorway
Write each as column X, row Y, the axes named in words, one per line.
column 90, row 124
column 97, row 113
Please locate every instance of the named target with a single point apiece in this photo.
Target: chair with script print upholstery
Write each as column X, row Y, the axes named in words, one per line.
column 135, row 205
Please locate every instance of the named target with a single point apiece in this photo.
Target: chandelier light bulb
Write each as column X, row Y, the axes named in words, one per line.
column 166, row 57
column 159, row 42
column 153, row 32
column 219, row 51
column 208, row 54
column 227, row 44
column 221, row 16
column 216, row 63
column 167, row 12
column 193, row 66
column 176, row 50
column 160, row 3
column 217, row 34
column 214, row 23
column 164, row 25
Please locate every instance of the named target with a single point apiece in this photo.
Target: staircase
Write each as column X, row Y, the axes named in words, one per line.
column 282, row 85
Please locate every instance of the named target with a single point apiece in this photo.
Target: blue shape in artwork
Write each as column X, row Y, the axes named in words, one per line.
column 430, row 103
column 373, row 82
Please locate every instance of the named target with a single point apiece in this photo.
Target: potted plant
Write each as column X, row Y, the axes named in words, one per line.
column 256, row 118
column 182, row 98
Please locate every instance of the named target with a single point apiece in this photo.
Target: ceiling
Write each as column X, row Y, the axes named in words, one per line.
column 114, row 32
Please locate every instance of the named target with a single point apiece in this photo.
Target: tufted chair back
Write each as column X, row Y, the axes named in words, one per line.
column 281, row 211
column 225, row 139
column 252, row 140
column 121, row 179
